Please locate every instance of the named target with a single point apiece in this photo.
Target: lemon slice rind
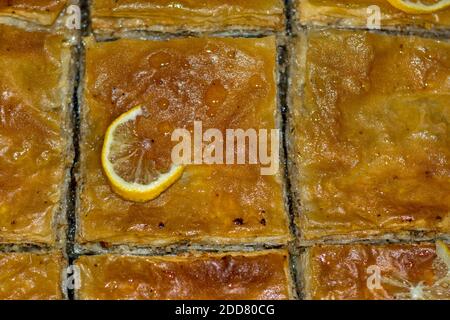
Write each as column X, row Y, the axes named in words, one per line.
column 419, row 7
column 131, row 190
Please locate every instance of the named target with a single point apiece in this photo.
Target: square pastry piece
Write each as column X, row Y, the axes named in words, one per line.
column 34, row 134
column 359, row 13
column 399, row 271
column 248, row 276
column 370, row 134
column 41, row 12
column 222, row 83
column 187, row 15
column 31, row 276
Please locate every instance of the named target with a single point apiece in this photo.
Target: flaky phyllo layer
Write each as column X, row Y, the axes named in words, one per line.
column 406, row 271
column 194, row 15
column 370, row 134
column 40, row 12
column 367, row 13
column 225, row 84
column 34, row 134
column 258, row 275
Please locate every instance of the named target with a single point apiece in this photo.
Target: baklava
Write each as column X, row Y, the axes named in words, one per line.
column 231, row 276
column 369, row 135
column 35, row 135
column 367, row 272
column 365, row 115
column 38, row 12
column 224, row 83
column 112, row 17
column 359, row 13
column 31, row 276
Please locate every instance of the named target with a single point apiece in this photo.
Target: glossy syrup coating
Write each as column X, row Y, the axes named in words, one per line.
column 42, row 12
column 29, row 276
column 225, row 83
column 32, row 134
column 371, row 134
column 348, row 272
column 356, row 13
column 165, row 15
column 248, row 276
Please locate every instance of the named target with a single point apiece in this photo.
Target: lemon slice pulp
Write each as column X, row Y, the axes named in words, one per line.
column 419, row 7
column 131, row 172
column 443, row 253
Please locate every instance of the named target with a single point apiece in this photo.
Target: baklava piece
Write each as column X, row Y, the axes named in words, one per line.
column 359, row 13
column 373, row 272
column 34, row 134
column 186, row 15
column 31, row 276
column 224, row 83
column 370, row 135
column 40, row 12
column 233, row 276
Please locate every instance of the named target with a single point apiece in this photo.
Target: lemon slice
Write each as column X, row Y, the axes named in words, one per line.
column 420, row 291
column 418, row 7
column 131, row 173
column 443, row 252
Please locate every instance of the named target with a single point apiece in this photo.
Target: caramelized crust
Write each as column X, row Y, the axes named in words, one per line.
column 371, row 134
column 202, row 15
column 29, row 276
column 33, row 144
column 43, row 12
column 354, row 13
column 225, row 83
column 351, row 272
column 263, row 275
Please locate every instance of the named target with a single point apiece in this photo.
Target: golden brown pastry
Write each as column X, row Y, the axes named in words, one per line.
column 259, row 275
column 370, row 134
column 354, row 13
column 225, row 83
column 31, row 276
column 398, row 271
column 195, row 15
column 33, row 134
column 43, row 12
